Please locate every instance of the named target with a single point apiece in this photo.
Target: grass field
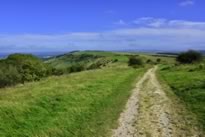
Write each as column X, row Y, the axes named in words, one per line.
column 80, row 104
column 89, row 103
column 188, row 83
column 86, row 58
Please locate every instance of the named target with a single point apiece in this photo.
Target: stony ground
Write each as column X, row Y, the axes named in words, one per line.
column 151, row 113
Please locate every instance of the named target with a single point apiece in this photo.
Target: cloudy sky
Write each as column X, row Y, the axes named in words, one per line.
column 64, row 25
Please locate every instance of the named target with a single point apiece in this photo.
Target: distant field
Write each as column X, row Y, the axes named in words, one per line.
column 86, row 59
column 188, row 83
column 81, row 104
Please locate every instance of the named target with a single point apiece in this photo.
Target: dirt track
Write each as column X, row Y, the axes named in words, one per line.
column 150, row 113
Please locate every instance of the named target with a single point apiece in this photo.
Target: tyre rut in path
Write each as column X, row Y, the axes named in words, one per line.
column 149, row 112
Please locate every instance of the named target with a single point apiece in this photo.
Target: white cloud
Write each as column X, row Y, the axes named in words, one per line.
column 157, row 23
column 143, row 20
column 164, row 23
column 149, row 21
column 120, row 22
column 186, row 3
column 149, row 33
column 187, row 24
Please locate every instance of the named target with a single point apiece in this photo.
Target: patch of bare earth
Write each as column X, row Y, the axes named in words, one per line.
column 150, row 113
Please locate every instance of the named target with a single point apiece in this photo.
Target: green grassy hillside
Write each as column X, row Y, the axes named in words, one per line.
column 86, row 59
column 80, row 104
column 188, row 83
column 89, row 102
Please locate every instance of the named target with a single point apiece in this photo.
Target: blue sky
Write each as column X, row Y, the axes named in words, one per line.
column 59, row 25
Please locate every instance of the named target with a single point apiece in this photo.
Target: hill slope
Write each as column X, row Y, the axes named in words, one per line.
column 84, row 103
column 87, row 59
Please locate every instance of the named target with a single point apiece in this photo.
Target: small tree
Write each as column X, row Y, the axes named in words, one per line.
column 30, row 67
column 133, row 61
column 158, row 60
column 189, row 57
column 9, row 76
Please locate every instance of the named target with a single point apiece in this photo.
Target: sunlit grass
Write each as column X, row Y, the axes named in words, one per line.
column 188, row 83
column 81, row 104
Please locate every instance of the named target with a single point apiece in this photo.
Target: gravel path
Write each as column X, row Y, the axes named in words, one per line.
column 150, row 113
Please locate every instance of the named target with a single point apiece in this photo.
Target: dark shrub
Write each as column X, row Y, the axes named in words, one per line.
column 201, row 66
column 191, row 70
column 189, row 57
column 85, row 57
column 133, row 61
column 76, row 68
column 203, row 84
column 57, row 72
column 29, row 67
column 115, row 60
column 19, row 68
column 158, row 60
column 149, row 61
column 167, row 67
column 96, row 65
column 9, row 76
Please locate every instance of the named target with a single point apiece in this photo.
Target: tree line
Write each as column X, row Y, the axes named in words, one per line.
column 21, row 68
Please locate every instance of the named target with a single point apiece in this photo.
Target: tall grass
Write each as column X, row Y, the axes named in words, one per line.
column 81, row 104
column 188, row 83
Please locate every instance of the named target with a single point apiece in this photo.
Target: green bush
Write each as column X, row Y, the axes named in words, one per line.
column 9, row 76
column 158, row 60
column 135, row 61
column 76, row 68
column 20, row 68
column 115, row 60
column 201, row 66
column 189, row 57
column 149, row 61
column 30, row 67
column 57, row 72
column 95, row 66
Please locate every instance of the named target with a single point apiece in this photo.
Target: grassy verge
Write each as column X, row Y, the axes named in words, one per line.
column 187, row 82
column 81, row 104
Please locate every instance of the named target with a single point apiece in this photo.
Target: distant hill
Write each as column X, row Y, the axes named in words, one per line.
column 38, row 54
column 176, row 53
column 85, row 59
column 203, row 52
